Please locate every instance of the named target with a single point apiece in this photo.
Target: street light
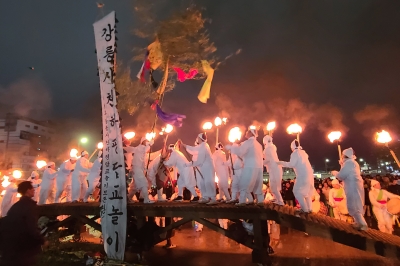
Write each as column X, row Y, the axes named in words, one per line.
column 326, row 165
column 84, row 140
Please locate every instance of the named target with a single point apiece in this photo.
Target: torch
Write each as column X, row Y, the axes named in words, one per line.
column 149, row 136
column 73, row 153
column 234, row 135
column 384, row 137
column 99, row 147
column 40, row 164
column 270, row 127
column 17, row 174
column 167, row 129
column 217, row 123
column 295, row 129
column 335, row 136
column 129, row 135
column 207, row 126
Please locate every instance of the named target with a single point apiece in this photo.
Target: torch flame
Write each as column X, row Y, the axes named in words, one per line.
column 150, row 136
column 3, row 193
column 294, row 129
column 73, row 153
column 224, row 120
column 168, row 128
column 41, row 164
column 234, row 134
column 334, row 135
column 100, row 145
column 271, row 126
column 217, row 121
column 17, row 174
column 383, row 137
column 207, row 126
column 252, row 127
column 216, row 179
column 129, row 135
column 5, row 182
column 18, row 195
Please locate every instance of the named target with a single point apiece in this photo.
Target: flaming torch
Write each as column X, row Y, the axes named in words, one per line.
column 384, row 137
column 207, row 126
column 150, row 136
column 217, row 123
column 129, row 135
column 73, row 153
column 17, row 174
column 167, row 129
column 295, row 129
column 270, row 127
column 98, row 147
column 5, row 182
column 335, row 136
column 234, row 135
column 40, row 164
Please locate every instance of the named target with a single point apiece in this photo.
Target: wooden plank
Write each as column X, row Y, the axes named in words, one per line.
column 174, row 225
column 88, row 221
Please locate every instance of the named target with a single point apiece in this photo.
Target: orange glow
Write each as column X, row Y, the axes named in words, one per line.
column 334, row 135
column 168, row 128
column 129, row 135
column 17, row 174
column 383, row 137
column 41, row 164
column 5, row 182
column 73, row 153
column 207, row 126
column 150, row 136
column 234, row 134
column 217, row 121
column 271, row 126
column 100, row 145
column 294, row 129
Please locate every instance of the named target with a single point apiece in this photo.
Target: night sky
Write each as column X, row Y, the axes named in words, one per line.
column 317, row 62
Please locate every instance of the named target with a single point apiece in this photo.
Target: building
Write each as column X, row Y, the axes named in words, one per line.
column 23, row 141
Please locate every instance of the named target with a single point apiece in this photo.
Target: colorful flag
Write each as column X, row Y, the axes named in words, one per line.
column 182, row 76
column 155, row 54
column 144, row 69
column 204, row 93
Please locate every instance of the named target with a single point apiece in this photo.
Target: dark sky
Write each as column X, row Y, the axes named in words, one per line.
column 346, row 53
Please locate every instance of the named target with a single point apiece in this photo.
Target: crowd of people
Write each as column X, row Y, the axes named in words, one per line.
column 213, row 177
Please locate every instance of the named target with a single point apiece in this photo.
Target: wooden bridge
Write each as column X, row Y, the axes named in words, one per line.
column 316, row 225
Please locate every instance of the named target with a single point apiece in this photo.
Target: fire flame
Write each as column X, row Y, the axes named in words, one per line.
column 150, row 136
column 334, row 135
column 271, row 126
column 217, row 121
column 168, row 128
column 5, row 182
column 383, row 137
column 3, row 193
column 73, row 153
column 234, row 134
column 41, row 164
column 100, row 145
column 216, row 179
column 207, row 126
column 129, row 135
column 252, row 127
column 294, row 129
column 224, row 120
column 17, row 174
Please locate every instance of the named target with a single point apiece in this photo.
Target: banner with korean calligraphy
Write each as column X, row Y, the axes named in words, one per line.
column 113, row 185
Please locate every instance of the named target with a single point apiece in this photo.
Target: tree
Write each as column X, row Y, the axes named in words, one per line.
column 183, row 42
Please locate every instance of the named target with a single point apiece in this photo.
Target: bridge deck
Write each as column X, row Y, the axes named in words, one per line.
column 317, row 225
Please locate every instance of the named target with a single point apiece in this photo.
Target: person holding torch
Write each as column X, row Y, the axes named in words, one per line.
column 251, row 179
column 353, row 187
column 205, row 167
column 274, row 169
column 303, row 188
column 63, row 179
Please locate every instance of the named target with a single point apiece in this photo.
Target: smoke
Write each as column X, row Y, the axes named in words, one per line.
column 374, row 118
column 374, row 113
column 324, row 117
column 26, row 97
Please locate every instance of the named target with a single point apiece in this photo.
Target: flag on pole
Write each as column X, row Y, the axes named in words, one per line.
column 204, row 93
column 144, row 69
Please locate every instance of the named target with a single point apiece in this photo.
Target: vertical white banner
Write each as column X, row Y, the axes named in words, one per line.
column 113, row 185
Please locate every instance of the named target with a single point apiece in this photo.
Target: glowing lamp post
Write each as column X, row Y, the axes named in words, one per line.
column 384, row 138
column 270, row 127
column 335, row 136
column 295, row 129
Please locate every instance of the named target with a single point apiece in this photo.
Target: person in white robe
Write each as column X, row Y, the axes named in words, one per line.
column 47, row 186
column 274, row 169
